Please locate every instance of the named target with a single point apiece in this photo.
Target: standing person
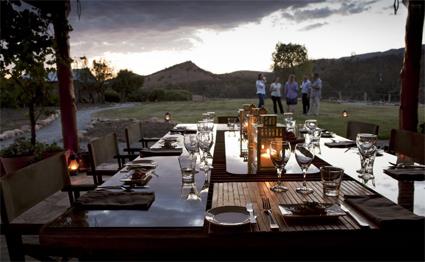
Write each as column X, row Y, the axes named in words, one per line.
column 275, row 89
column 261, row 89
column 305, row 92
column 291, row 93
column 316, row 93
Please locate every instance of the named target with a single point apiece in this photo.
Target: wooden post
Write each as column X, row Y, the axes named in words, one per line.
column 410, row 72
column 66, row 89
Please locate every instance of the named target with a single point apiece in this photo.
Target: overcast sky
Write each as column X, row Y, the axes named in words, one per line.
column 224, row 36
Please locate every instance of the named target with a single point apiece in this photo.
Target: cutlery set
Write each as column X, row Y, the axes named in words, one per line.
column 274, row 225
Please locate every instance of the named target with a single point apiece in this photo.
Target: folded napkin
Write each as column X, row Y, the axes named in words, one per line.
column 411, row 174
column 341, row 144
column 182, row 130
column 327, row 134
column 103, row 199
column 385, row 213
column 161, row 152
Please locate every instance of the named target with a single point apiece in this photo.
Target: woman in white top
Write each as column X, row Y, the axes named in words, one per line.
column 261, row 90
column 275, row 89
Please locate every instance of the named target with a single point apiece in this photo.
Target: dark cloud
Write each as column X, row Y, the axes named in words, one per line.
column 313, row 26
column 134, row 26
column 338, row 8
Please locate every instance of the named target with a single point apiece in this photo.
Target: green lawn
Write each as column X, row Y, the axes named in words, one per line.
column 330, row 113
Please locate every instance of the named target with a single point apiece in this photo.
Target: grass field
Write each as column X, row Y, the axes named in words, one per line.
column 386, row 116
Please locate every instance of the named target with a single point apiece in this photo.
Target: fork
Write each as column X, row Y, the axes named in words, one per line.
column 268, row 210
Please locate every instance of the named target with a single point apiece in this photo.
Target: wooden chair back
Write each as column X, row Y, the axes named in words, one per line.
column 133, row 134
column 225, row 119
column 408, row 143
column 355, row 127
column 103, row 149
column 32, row 184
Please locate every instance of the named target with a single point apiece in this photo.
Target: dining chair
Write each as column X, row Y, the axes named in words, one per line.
column 132, row 138
column 21, row 191
column 133, row 135
column 105, row 159
column 408, row 143
column 225, row 119
column 355, row 127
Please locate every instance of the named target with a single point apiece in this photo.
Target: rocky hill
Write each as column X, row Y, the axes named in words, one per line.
column 374, row 76
column 183, row 73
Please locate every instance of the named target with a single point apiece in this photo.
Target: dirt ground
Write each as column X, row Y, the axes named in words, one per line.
column 149, row 128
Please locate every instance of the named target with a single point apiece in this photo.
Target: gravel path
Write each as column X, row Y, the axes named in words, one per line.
column 53, row 132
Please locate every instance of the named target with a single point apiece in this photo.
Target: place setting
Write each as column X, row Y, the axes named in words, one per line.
column 231, row 218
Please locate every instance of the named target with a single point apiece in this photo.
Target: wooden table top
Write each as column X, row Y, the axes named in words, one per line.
column 240, row 193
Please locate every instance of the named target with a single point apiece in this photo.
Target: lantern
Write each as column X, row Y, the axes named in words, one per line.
column 167, row 117
column 344, row 114
column 73, row 165
column 265, row 135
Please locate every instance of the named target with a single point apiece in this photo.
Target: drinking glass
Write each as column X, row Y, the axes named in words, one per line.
column 187, row 167
column 191, row 143
column 205, row 142
column 189, row 192
column 366, row 143
column 280, row 151
column 331, row 178
column 304, row 154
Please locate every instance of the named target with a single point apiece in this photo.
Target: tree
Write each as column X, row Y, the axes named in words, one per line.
column 288, row 56
column 26, row 56
column 102, row 72
column 126, row 83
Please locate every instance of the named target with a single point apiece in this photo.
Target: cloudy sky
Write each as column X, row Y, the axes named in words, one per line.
column 224, row 36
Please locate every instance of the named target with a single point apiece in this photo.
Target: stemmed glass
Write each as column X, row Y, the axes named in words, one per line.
column 205, row 142
column 191, row 143
column 311, row 125
column 280, row 151
column 366, row 143
column 231, row 122
column 304, row 154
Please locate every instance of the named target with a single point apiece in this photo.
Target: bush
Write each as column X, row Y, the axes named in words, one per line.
column 178, row 95
column 157, row 95
column 111, row 96
column 23, row 147
column 140, row 95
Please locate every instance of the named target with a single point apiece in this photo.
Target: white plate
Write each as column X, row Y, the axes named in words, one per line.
column 228, row 216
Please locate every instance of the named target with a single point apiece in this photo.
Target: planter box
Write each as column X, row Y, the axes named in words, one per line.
column 11, row 164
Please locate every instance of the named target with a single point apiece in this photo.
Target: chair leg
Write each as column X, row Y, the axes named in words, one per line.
column 71, row 198
column 15, row 246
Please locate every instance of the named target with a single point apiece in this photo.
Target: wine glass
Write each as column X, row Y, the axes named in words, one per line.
column 304, row 154
column 280, row 151
column 310, row 125
column 205, row 142
column 191, row 143
column 366, row 143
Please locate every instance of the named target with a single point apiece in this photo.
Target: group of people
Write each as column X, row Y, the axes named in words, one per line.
column 311, row 91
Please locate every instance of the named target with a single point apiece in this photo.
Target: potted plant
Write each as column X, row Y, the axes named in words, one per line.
column 22, row 153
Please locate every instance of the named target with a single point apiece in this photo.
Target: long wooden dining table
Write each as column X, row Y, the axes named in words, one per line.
column 175, row 228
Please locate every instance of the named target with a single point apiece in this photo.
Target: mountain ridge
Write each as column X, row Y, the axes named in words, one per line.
column 373, row 75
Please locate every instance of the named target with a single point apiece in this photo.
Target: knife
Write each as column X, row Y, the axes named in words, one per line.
column 360, row 220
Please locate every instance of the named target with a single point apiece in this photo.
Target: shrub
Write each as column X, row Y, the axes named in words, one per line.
column 178, row 95
column 139, row 95
column 156, row 95
column 23, row 147
column 111, row 96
